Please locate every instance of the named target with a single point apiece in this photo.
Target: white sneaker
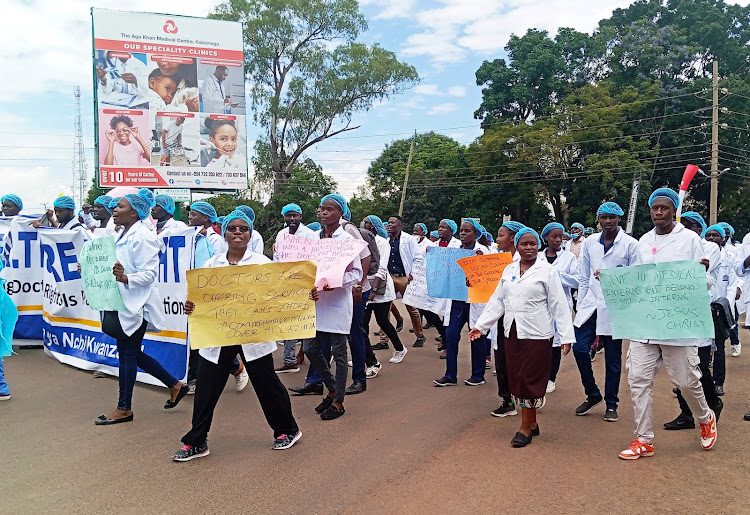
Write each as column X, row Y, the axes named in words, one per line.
column 351, row 364
column 550, row 386
column 5, row 397
column 736, row 350
column 240, row 380
column 372, row 371
column 398, row 357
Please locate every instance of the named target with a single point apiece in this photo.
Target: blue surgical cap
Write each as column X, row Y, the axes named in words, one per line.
column 423, row 226
column 206, row 209
column 220, row 220
column 550, row 226
column 141, row 202
column 588, row 231
column 13, row 198
column 727, row 226
column 512, row 226
column 104, row 201
column 696, row 218
column 715, row 227
column 609, row 208
column 338, row 199
column 527, row 230
column 315, row 226
column 291, row 208
column 166, row 202
column 475, row 224
column 482, row 231
column 434, row 234
column 451, row 224
column 577, row 226
column 65, row 202
column 235, row 215
column 113, row 203
column 248, row 211
column 664, row 193
column 378, row 225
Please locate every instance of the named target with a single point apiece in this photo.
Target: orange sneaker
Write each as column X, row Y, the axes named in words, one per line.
column 708, row 433
column 637, row 449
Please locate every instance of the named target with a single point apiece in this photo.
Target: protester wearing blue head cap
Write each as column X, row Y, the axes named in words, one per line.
column 610, row 208
column 64, row 202
column 291, row 208
column 147, row 195
column 718, row 229
column 248, row 211
column 256, row 242
column 532, row 302
column 202, row 214
column 64, row 216
column 668, row 241
column 666, row 193
column 459, row 314
column 728, row 229
column 141, row 202
column 101, row 210
column 163, row 213
column 449, row 225
column 513, row 227
column 378, row 226
column 610, row 248
column 691, row 219
column 137, row 250
column 434, row 236
column 314, row 226
column 420, row 233
column 576, row 239
column 527, row 230
column 566, row 264
column 11, row 204
column 217, row 363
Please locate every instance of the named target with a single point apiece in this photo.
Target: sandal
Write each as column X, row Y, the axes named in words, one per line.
column 182, row 393
column 103, row 420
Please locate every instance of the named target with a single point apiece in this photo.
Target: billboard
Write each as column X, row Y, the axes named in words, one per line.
column 170, row 101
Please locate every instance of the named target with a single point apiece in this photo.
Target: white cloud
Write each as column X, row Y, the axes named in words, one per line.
column 391, row 9
column 443, row 108
column 457, row 91
column 427, row 89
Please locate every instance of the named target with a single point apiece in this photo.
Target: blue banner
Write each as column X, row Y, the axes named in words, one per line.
column 445, row 278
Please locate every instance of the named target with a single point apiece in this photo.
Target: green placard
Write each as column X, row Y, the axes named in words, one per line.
column 658, row 302
column 97, row 259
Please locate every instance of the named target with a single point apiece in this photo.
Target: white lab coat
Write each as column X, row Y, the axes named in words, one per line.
column 116, row 87
column 251, row 351
column 679, row 245
column 303, row 231
column 213, row 93
column 75, row 225
column 173, row 224
column 256, row 242
column 535, row 302
column 218, row 243
column 424, row 243
column 593, row 258
column 138, row 252
column 566, row 264
column 384, row 248
column 334, row 309
column 742, row 272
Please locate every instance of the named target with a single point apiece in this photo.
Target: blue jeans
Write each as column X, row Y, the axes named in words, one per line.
column 459, row 318
column 4, row 390
column 290, row 352
column 132, row 358
column 585, row 336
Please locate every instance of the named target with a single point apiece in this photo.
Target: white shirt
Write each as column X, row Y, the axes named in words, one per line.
column 476, row 309
column 353, row 231
column 385, row 254
column 424, row 243
column 679, row 245
column 75, row 225
column 172, row 224
column 213, row 93
column 334, row 309
column 593, row 258
column 216, row 241
column 251, row 351
column 535, row 301
column 566, row 264
column 256, row 242
column 138, row 252
column 303, row 231
column 118, row 85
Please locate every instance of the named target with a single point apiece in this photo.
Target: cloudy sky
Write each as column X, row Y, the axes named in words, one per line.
column 46, row 51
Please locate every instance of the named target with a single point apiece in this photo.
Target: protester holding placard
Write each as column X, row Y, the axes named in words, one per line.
column 404, row 253
column 667, row 241
column 11, row 204
column 334, row 308
column 532, row 302
column 292, row 214
column 420, row 233
column 102, row 212
column 163, row 213
column 609, row 249
column 136, row 270
column 458, row 314
column 216, row 363
column 64, row 216
column 202, row 214
column 566, row 265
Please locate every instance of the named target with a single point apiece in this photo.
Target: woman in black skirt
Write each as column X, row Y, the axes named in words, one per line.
column 531, row 300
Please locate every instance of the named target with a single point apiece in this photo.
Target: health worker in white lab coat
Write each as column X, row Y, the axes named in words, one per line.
column 163, row 213
column 137, row 250
column 202, row 214
column 532, row 302
column 610, row 248
column 256, row 243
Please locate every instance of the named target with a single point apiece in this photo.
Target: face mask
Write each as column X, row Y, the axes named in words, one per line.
column 575, row 236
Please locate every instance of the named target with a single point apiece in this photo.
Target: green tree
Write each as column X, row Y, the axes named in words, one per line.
column 308, row 75
column 94, row 191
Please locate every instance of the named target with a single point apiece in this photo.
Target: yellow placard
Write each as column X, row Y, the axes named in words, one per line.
column 251, row 303
column 483, row 273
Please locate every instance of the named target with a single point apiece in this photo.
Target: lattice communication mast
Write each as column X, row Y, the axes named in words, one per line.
column 80, row 184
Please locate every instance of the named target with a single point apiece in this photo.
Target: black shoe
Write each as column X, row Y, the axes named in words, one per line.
column 399, row 325
column 356, row 387
column 676, row 391
column 506, row 409
column 747, row 416
column 717, row 408
column 444, row 381
column 719, row 390
column 439, row 339
column 308, row 389
column 182, row 393
column 611, row 415
column 427, row 326
column 681, row 422
column 420, row 341
column 535, row 431
column 190, row 452
column 332, row 413
column 380, row 346
column 327, row 402
column 588, row 405
column 520, row 440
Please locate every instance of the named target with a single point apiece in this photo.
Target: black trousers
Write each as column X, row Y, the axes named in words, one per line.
column 434, row 319
column 212, row 378
column 707, row 382
column 501, row 367
column 556, row 359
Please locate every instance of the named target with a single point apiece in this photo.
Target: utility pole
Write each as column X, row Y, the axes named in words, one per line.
column 633, row 203
column 80, row 187
column 714, row 208
column 406, row 176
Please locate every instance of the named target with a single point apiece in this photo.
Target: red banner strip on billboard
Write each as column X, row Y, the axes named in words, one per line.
column 122, row 111
column 111, row 176
column 162, row 48
column 175, row 115
column 222, row 117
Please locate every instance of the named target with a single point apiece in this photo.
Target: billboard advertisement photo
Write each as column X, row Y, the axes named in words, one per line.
column 170, row 101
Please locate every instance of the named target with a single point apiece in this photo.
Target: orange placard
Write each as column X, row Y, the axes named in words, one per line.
column 483, row 273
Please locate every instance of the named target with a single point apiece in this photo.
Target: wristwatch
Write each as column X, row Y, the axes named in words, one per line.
column 358, row 287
